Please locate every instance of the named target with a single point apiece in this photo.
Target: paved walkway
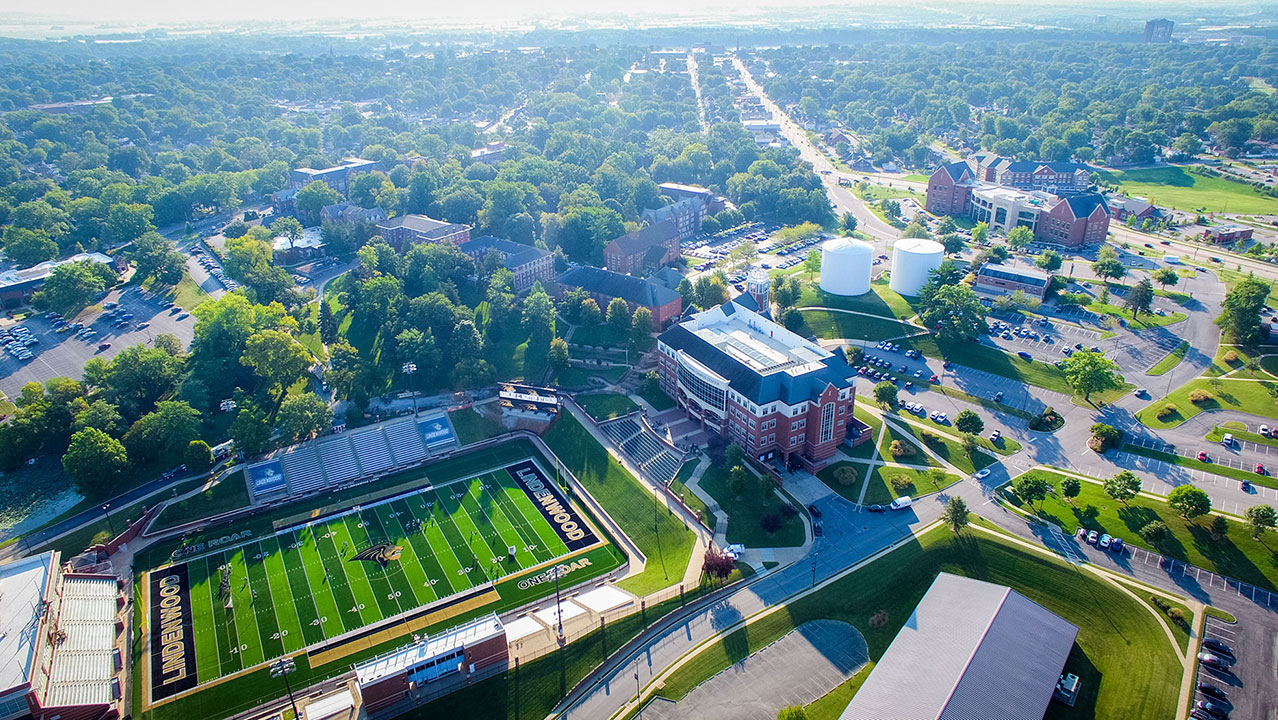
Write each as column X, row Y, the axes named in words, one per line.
column 795, row 670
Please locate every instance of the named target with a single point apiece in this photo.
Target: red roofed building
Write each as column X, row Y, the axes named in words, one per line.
column 643, row 250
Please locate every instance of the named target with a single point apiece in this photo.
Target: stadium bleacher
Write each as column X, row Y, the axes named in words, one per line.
column 339, row 460
column 405, row 442
column 664, row 467
column 621, row 430
column 302, row 469
column 371, row 450
column 641, row 448
column 644, row 448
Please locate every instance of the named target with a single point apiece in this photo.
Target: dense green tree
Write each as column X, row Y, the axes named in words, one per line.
column 276, row 358
column 313, row 198
column 1123, row 486
column 1189, row 501
column 968, row 421
column 72, row 286
column 1240, row 314
column 1088, row 372
column 303, row 415
column 163, row 433
column 95, row 462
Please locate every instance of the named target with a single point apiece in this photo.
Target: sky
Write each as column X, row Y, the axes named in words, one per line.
column 506, row 12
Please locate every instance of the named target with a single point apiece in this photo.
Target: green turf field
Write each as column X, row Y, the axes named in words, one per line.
column 309, row 583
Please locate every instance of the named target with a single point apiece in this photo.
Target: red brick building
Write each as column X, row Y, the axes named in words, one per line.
column 404, row 230
column 643, row 250
column 604, row 285
column 1075, row 221
column 1227, row 234
column 949, row 190
column 775, row 394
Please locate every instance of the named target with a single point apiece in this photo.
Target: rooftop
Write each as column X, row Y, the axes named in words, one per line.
column 428, row 647
column 347, row 165
column 44, row 269
column 310, row 239
column 23, row 586
column 1004, row 193
column 84, row 663
column 627, row 287
column 970, row 649
column 420, row 223
column 761, row 345
column 646, row 237
column 515, row 253
column 1025, row 275
column 680, row 187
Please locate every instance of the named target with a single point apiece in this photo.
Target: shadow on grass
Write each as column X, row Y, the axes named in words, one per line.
column 1226, row 557
column 1089, row 677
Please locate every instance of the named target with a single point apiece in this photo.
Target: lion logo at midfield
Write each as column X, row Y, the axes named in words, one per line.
column 382, row 553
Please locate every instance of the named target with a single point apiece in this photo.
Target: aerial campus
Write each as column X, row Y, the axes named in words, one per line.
column 788, row 360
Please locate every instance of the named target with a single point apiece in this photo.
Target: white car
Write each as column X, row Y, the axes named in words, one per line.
column 982, row 474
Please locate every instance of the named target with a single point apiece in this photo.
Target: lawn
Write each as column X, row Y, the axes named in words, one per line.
column 1236, row 555
column 881, row 301
column 949, row 450
column 656, row 398
column 834, row 325
column 311, row 341
column 660, row 536
column 472, row 426
column 679, row 487
column 866, row 448
column 906, row 437
column 576, row 376
column 873, row 193
column 1128, row 668
column 849, row 492
column 880, row 490
column 606, row 406
column 1179, row 189
column 1146, row 320
column 745, row 513
column 1004, row 446
column 1161, row 604
column 1170, row 361
column 1227, row 394
column 1236, row 368
column 228, row 494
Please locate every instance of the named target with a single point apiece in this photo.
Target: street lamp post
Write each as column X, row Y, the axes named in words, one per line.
column 410, row 369
column 106, row 510
column 281, row 668
column 559, row 609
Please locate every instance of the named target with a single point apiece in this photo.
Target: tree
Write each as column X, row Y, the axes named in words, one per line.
column 953, row 311
column 952, row 242
column 197, row 456
column 28, row 247
column 1105, row 436
column 684, row 289
column 558, row 354
column 1031, row 488
column 539, row 317
column 1261, row 518
column 792, row 712
column 848, row 223
column 885, row 393
column 591, row 315
column 328, row 326
column 980, row 232
column 1070, row 488
column 95, row 462
column 739, row 481
column 154, row 255
column 128, row 222
column 641, row 325
column 1087, row 372
column 1107, row 265
column 313, row 198
column 946, row 225
column 102, row 415
column 710, row 291
column 304, row 415
column 716, row 564
column 72, row 286
column 250, row 429
column 288, row 228
column 1140, row 297
column 915, row 230
column 812, row 263
column 1123, row 486
column 1165, row 277
column 276, row 358
column 163, row 433
column 1019, row 237
column 969, row 444
column 969, row 422
column 1154, row 532
column 1050, row 261
column 955, row 514
column 1240, row 314
column 1189, row 501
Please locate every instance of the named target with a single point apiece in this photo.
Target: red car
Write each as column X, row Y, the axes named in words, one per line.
column 1260, row 468
column 934, row 379
column 1202, row 455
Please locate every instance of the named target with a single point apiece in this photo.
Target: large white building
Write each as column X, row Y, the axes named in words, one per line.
column 59, row 635
column 1004, row 208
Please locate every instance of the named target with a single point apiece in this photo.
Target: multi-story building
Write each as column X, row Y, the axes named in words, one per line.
column 60, row 642
column 492, row 153
column 527, row 263
column 1159, row 31
column 759, row 385
column 17, row 286
column 1124, row 207
column 1072, row 219
column 1002, row 279
column 1059, row 178
column 1227, row 234
column 345, row 212
column 338, row 177
column 685, row 215
column 604, row 285
column 643, row 250
column 404, row 230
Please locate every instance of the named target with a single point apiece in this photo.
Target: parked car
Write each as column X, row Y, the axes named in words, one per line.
column 1218, row 647
column 1212, row 661
column 1117, row 545
column 996, row 436
column 982, row 474
column 875, row 508
column 104, row 346
column 1092, row 537
column 1213, row 708
column 1213, row 691
column 1202, row 456
column 1264, row 430
column 815, row 511
column 1104, row 542
column 1260, row 469
column 1025, row 356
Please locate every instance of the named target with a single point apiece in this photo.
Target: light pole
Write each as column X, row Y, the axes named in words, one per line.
column 106, row 510
column 410, row 369
column 281, row 668
column 559, row 609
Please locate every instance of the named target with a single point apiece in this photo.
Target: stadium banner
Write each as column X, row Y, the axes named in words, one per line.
column 436, row 430
column 267, row 477
column 575, row 533
column 172, row 641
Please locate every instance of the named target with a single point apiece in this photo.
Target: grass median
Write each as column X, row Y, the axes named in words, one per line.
column 1248, row 396
column 747, row 510
column 606, row 406
column 1169, row 361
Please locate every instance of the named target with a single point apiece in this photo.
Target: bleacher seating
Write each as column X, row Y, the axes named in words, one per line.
column 664, row 467
column 371, row 450
column 339, row 460
column 405, row 442
column 642, row 448
column 301, row 467
column 621, row 430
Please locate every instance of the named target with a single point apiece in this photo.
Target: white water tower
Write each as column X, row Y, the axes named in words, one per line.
column 912, row 260
column 845, row 266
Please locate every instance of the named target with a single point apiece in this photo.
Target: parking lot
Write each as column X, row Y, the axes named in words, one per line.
column 61, row 354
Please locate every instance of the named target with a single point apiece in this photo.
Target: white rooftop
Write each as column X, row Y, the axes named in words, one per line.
column 428, row 647
column 84, row 663
column 1012, row 195
column 756, row 342
column 310, row 239
column 326, row 707
column 22, row 590
column 550, row 615
column 44, row 269
column 604, row 598
column 522, row 627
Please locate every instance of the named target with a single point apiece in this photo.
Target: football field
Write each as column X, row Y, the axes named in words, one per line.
column 331, row 576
